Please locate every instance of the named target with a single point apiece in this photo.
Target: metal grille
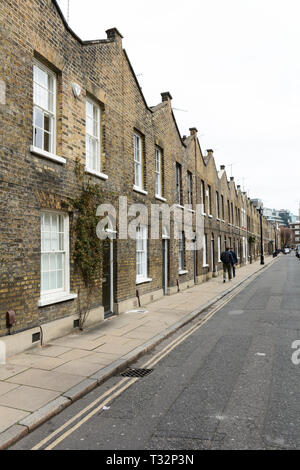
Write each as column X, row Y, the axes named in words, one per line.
column 136, row 372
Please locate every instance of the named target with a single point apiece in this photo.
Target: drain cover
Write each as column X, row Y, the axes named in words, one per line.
column 136, row 372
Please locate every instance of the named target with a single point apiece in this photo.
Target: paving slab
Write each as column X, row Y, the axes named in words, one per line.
column 36, row 362
column 80, row 367
column 49, row 350
column 49, row 380
column 73, row 354
column 28, row 398
column 9, row 370
column 10, row 416
column 7, row 387
column 101, row 358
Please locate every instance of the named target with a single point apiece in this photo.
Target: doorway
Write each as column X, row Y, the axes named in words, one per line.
column 213, row 262
column 165, row 265
column 108, row 278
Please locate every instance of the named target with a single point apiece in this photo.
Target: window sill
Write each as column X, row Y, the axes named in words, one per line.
column 140, row 190
column 210, row 216
column 55, row 299
column 204, row 214
column 181, row 272
column 96, row 173
column 180, row 206
column 205, row 266
column 50, row 156
column 191, row 210
column 160, row 198
column 223, row 221
column 143, row 281
column 219, row 220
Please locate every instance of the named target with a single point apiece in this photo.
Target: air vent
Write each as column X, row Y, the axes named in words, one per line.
column 76, row 323
column 36, row 337
column 136, row 372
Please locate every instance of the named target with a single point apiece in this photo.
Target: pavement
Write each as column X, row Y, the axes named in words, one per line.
column 41, row 382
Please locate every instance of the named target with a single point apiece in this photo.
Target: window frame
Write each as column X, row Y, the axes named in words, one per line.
column 138, row 163
column 190, row 187
column 219, row 248
column 203, row 196
column 52, row 114
column 58, row 294
column 158, row 172
column 178, row 184
column 96, row 138
column 143, row 275
column 205, row 251
column 209, row 200
column 181, row 252
column 218, row 215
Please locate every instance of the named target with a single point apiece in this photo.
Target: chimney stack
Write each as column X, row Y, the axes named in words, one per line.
column 166, row 96
column 193, row 131
column 114, row 34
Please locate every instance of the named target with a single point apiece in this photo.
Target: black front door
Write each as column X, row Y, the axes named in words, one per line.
column 106, row 280
column 165, row 267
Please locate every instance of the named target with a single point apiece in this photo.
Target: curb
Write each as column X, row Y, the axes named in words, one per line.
column 31, row 422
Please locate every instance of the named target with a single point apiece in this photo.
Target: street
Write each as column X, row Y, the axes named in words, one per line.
column 229, row 383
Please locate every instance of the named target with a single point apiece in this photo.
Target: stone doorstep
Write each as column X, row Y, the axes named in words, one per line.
column 17, row 431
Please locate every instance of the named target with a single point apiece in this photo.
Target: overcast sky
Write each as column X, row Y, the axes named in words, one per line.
column 233, row 69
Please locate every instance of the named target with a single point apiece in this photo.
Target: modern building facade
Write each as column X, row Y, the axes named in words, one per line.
column 73, row 116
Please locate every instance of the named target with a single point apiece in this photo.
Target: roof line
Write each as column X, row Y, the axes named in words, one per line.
column 136, row 81
column 68, row 28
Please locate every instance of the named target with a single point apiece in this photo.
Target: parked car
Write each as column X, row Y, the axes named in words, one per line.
column 286, row 251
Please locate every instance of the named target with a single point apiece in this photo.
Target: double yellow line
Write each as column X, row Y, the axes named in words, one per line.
column 124, row 384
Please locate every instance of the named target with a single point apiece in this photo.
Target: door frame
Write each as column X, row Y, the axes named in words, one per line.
column 165, row 253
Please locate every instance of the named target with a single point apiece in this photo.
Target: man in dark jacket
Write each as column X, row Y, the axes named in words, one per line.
column 234, row 259
column 228, row 261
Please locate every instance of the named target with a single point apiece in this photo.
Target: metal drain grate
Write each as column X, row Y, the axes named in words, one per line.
column 136, row 372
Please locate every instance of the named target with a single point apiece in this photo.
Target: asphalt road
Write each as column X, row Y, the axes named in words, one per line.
column 231, row 384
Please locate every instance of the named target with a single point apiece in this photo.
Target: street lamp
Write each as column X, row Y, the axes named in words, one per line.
column 262, row 259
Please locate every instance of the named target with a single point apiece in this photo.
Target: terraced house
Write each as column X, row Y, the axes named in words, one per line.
column 72, row 113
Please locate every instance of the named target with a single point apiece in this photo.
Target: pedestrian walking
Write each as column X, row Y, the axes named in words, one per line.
column 234, row 259
column 228, row 261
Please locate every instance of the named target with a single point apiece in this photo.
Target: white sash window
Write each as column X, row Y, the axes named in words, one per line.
column 158, row 174
column 137, row 146
column 44, row 108
column 92, row 136
column 141, row 253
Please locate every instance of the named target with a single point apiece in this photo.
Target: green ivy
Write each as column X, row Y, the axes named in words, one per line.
column 87, row 252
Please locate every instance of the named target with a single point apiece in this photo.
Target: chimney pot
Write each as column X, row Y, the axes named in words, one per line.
column 222, row 167
column 114, row 34
column 210, row 151
column 231, row 178
column 166, row 96
column 193, row 130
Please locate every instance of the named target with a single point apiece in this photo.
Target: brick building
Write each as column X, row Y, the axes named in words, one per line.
column 67, row 102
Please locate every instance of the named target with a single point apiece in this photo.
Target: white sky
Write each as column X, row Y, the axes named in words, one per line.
column 233, row 65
